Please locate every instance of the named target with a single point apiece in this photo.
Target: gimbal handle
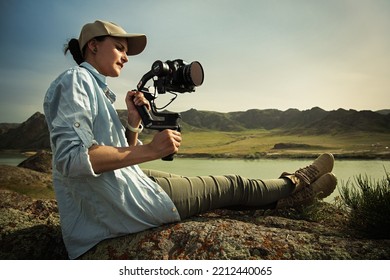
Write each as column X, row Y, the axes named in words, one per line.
column 169, row 120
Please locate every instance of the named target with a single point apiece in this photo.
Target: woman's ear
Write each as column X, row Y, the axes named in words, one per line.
column 92, row 46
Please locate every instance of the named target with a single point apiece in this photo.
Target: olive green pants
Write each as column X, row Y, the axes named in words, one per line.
column 195, row 195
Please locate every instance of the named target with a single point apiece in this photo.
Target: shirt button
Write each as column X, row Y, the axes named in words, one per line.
column 77, row 124
column 173, row 209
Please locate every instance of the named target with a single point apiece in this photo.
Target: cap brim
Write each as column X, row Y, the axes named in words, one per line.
column 136, row 43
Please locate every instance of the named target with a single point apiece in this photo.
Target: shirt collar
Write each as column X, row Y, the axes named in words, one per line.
column 94, row 72
column 101, row 80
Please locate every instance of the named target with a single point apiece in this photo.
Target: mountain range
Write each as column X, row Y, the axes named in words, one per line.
column 33, row 133
column 313, row 121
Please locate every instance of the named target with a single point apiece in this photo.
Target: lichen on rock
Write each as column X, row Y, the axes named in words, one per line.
column 30, row 229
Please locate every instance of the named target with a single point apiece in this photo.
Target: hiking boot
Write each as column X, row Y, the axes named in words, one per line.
column 307, row 175
column 320, row 189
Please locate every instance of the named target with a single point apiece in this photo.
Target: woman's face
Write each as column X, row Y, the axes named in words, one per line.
column 109, row 56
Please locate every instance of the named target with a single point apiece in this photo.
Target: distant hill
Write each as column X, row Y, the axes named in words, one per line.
column 313, row 121
column 33, row 133
column 346, row 121
column 4, row 127
column 384, row 112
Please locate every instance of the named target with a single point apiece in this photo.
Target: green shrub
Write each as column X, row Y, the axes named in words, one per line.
column 369, row 204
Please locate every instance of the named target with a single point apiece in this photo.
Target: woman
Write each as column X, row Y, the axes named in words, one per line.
column 100, row 189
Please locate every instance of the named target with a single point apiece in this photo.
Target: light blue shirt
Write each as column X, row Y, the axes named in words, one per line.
column 93, row 207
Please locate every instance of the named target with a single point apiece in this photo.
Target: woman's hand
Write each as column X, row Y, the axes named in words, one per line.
column 166, row 142
column 135, row 98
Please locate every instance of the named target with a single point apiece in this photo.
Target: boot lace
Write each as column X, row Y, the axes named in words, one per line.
column 307, row 174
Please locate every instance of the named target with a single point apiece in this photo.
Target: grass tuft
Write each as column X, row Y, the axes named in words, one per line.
column 369, row 204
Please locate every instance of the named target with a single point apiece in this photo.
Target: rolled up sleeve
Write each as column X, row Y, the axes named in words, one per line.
column 71, row 158
column 69, row 106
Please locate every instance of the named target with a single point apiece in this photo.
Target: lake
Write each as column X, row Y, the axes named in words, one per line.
column 345, row 170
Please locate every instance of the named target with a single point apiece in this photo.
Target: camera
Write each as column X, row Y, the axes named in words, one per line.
column 173, row 76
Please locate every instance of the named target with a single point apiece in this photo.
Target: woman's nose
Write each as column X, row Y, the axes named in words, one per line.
column 125, row 58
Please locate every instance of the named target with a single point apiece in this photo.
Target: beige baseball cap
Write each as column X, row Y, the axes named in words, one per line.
column 136, row 42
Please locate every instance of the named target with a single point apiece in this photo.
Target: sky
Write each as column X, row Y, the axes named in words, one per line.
column 256, row 54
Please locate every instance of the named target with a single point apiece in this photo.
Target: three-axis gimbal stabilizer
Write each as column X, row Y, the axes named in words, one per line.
column 174, row 76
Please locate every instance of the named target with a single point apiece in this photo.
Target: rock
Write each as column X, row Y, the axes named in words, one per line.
column 22, row 180
column 30, row 229
column 41, row 161
column 241, row 235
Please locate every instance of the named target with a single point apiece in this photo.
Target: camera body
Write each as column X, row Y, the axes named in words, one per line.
column 174, row 76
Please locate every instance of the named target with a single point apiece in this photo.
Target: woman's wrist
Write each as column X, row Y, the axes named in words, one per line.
column 135, row 129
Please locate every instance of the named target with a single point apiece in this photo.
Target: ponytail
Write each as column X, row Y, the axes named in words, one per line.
column 73, row 47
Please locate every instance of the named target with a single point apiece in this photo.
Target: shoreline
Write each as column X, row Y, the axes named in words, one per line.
column 286, row 155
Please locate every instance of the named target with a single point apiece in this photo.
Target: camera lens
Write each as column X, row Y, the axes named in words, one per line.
column 193, row 74
column 197, row 74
